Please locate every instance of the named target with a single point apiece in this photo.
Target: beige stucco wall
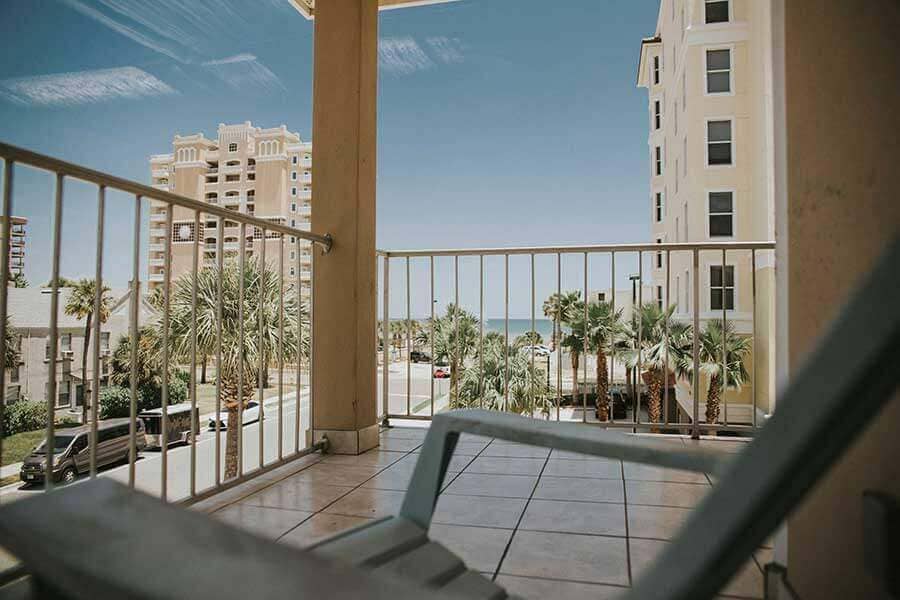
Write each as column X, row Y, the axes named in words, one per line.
column 841, row 70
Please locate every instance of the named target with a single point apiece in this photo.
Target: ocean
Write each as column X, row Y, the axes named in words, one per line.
column 519, row 326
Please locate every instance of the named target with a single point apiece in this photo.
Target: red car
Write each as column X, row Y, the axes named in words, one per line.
column 441, row 371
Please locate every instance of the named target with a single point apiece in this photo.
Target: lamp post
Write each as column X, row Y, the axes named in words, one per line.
column 635, row 311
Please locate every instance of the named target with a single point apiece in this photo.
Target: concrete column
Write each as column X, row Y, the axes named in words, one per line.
column 839, row 212
column 344, row 298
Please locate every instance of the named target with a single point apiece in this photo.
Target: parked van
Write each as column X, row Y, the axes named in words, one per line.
column 179, row 421
column 72, row 455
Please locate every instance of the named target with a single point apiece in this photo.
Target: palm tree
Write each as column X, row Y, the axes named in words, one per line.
column 148, row 366
column 13, row 351
column 455, row 339
column 241, row 355
column 716, row 340
column 574, row 342
column 17, row 280
column 561, row 309
column 486, row 382
column 604, row 330
column 80, row 305
column 529, row 338
column 663, row 346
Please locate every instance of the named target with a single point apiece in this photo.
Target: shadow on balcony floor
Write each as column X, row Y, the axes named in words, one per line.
column 543, row 523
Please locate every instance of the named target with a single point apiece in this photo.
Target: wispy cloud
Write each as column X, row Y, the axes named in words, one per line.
column 447, row 50
column 83, row 87
column 244, row 71
column 402, row 56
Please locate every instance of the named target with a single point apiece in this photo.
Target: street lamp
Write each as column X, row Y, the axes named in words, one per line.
column 633, row 383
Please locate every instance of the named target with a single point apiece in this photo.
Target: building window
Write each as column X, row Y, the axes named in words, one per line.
column 658, row 160
column 657, row 114
column 659, row 296
column 656, row 70
column 678, row 292
column 104, row 341
column 14, row 374
column 719, row 288
column 293, row 191
column 232, row 147
column 658, row 207
column 717, row 11
column 294, row 160
column 231, row 178
column 684, row 158
column 293, row 222
column 721, row 214
column 659, row 255
column 293, row 271
column 718, row 141
column 293, row 255
column 718, row 71
column 293, row 175
column 293, row 207
column 65, row 342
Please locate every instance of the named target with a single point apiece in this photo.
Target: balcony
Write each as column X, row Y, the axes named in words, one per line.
column 158, row 218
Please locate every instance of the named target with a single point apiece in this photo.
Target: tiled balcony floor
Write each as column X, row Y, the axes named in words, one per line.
column 543, row 523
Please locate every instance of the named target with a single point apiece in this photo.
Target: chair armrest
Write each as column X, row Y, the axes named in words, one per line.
column 428, row 476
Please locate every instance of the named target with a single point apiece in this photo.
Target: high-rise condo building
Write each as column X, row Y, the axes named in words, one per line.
column 708, row 75
column 266, row 173
column 17, row 227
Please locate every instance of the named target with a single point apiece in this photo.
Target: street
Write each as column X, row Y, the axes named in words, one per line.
column 148, row 467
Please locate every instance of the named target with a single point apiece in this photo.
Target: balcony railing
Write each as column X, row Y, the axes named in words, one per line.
column 638, row 361
column 208, row 462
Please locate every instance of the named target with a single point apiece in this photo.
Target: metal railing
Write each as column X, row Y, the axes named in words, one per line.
column 207, row 478
column 396, row 396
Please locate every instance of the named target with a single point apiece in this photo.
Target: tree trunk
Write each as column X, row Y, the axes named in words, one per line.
column 602, row 387
column 653, row 404
column 204, row 358
column 713, row 397
column 454, row 373
column 573, row 356
column 629, row 387
column 230, row 395
column 85, row 386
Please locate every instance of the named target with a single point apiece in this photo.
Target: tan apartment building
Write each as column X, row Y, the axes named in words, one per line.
column 17, row 230
column 707, row 71
column 266, row 173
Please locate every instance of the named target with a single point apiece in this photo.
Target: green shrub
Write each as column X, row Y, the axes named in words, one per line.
column 24, row 416
column 115, row 401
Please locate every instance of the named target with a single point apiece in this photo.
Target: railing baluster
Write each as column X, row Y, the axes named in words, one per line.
column 281, row 348
column 195, row 425
column 585, row 343
column 8, row 167
column 385, row 337
column 239, row 426
column 54, row 330
column 755, row 334
column 724, row 394
column 666, row 307
column 94, row 397
column 506, row 331
column 612, row 354
column 695, row 306
column 557, row 324
column 299, row 377
column 135, row 339
column 533, row 340
column 480, row 331
column 164, row 425
column 431, row 336
column 220, row 300
column 312, row 405
column 408, row 344
column 640, row 305
column 261, row 349
column 459, row 359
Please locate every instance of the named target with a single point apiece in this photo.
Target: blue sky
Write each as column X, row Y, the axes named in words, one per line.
column 501, row 122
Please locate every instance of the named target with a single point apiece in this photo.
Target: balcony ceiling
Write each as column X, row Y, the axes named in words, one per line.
column 307, row 7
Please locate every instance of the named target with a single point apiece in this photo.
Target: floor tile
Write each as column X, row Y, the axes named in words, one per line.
column 575, row 517
column 656, row 522
column 319, row 527
column 365, row 502
column 407, row 433
column 642, row 472
column 566, row 455
column 265, row 522
column 571, row 488
column 469, row 448
column 748, row 582
column 599, row 468
column 399, row 444
column 376, row 457
column 457, row 463
column 297, row 494
column 683, row 495
column 479, row 547
column 504, row 486
column 506, row 450
column 331, row 474
column 506, row 466
column 479, row 510
column 565, row 556
column 532, row 588
column 392, row 478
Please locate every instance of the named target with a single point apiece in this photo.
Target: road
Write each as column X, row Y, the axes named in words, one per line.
column 148, row 467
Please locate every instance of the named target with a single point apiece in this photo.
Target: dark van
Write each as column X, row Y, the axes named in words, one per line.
column 71, row 453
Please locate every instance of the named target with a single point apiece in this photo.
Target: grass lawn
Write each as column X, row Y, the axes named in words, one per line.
column 206, row 395
column 10, row 480
column 18, row 446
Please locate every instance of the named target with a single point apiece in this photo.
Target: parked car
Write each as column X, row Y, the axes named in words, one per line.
column 250, row 414
column 71, row 453
column 539, row 350
column 418, row 356
column 179, row 419
column 441, row 370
